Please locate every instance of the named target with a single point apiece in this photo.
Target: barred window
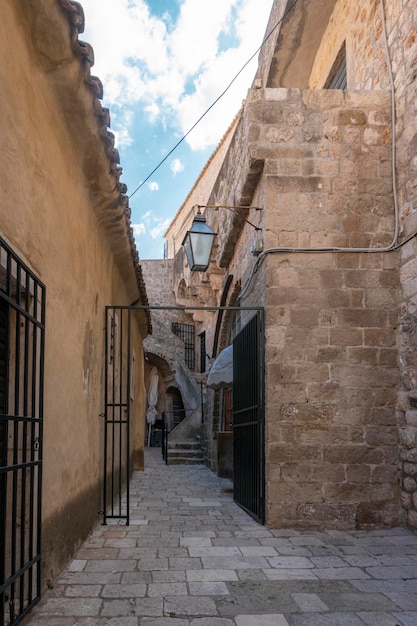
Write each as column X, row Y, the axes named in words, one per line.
column 203, row 353
column 186, row 332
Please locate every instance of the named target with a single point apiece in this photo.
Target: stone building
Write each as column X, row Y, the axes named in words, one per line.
column 325, row 147
column 66, row 252
column 176, row 346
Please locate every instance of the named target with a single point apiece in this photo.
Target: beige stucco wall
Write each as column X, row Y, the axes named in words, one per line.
column 49, row 218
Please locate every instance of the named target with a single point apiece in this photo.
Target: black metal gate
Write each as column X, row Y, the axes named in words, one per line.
column 22, row 332
column 248, row 411
column 117, row 413
column 248, row 419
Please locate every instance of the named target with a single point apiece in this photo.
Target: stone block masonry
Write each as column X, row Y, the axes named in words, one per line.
column 331, row 374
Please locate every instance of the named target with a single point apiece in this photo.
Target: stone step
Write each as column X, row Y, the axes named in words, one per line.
column 185, row 453
column 195, row 454
column 185, row 461
column 184, row 445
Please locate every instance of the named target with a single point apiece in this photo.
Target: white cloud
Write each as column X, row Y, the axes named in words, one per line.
column 153, row 186
column 176, row 68
column 194, row 42
column 138, row 229
column 152, row 225
column 160, row 228
column 176, row 166
column 153, row 110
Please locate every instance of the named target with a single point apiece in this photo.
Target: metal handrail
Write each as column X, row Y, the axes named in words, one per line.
column 166, row 432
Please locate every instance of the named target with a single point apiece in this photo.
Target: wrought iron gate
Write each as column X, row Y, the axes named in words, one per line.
column 248, row 409
column 248, row 419
column 117, row 413
column 22, row 330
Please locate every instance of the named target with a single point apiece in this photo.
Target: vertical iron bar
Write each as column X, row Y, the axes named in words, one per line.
column 16, row 412
column 113, row 337
column 34, row 412
column 163, row 435
column 128, row 383
column 261, row 374
column 4, row 427
column 106, row 413
column 120, row 419
column 201, row 400
column 25, row 409
column 23, row 475
column 40, row 441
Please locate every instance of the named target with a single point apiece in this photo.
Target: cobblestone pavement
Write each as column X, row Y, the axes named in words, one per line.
column 192, row 557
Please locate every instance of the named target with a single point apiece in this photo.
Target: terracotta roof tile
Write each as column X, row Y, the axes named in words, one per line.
column 85, row 53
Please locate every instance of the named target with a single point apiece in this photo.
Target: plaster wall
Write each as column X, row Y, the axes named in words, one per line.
column 49, row 218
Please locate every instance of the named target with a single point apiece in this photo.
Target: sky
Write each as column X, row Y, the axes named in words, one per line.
column 162, row 64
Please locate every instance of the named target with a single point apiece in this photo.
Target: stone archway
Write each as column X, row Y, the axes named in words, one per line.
column 166, row 376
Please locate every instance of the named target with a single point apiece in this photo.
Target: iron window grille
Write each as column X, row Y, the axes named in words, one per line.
column 203, row 353
column 186, row 332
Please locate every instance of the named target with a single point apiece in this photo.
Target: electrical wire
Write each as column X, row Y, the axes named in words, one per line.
column 215, row 101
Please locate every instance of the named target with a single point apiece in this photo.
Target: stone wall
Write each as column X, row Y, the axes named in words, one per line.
column 166, row 287
column 331, row 375
column 341, row 325
column 402, row 24
column 331, row 356
column 362, row 26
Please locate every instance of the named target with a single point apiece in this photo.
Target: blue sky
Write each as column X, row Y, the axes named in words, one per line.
column 162, row 64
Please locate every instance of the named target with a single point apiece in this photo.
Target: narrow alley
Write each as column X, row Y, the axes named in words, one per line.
column 191, row 556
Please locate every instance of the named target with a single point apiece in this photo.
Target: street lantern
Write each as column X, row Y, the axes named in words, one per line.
column 198, row 243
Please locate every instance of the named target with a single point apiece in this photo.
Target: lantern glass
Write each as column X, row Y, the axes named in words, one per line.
column 198, row 243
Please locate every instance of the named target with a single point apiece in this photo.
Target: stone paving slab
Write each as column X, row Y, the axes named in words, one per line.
column 192, row 557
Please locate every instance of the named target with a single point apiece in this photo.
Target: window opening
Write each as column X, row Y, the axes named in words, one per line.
column 203, row 353
column 337, row 78
column 186, row 332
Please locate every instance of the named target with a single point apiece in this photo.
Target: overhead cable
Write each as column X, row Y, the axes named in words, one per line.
column 215, row 101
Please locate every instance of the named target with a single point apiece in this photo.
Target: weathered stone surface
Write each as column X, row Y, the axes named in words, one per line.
column 340, row 374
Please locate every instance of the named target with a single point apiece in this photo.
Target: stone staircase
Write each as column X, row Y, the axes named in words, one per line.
column 185, row 453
